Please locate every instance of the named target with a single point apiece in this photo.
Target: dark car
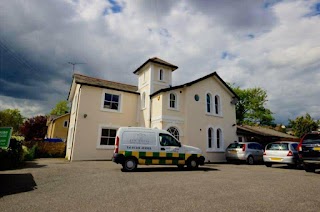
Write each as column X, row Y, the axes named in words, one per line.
column 309, row 151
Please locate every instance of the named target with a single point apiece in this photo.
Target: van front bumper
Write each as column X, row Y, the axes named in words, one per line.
column 118, row 158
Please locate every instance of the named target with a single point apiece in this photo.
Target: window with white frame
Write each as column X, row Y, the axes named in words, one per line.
column 215, row 140
column 219, row 138
column 209, row 103
column 65, row 124
column 143, row 100
column 108, row 137
column 161, row 75
column 111, row 101
column 210, row 138
column 173, row 101
column 174, row 132
column 217, row 105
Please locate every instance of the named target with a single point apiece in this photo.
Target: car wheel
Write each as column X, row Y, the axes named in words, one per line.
column 250, row 160
column 309, row 168
column 192, row 163
column 268, row 164
column 130, row 164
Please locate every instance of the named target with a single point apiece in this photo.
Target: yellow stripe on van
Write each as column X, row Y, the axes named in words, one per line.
column 142, row 161
column 121, row 152
column 136, row 154
column 149, row 154
column 168, row 162
column 155, row 161
column 181, row 162
column 163, row 154
column 175, row 154
column 187, row 156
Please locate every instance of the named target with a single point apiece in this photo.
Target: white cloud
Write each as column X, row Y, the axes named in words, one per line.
column 275, row 47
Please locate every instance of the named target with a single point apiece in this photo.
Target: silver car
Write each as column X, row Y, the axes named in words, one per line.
column 283, row 152
column 249, row 152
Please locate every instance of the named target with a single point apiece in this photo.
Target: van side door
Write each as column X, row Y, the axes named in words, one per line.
column 169, row 146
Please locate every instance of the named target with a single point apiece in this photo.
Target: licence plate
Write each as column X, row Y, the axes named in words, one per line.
column 233, row 151
column 276, row 159
column 317, row 148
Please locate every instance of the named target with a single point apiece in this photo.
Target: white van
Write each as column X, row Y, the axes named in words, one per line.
column 135, row 145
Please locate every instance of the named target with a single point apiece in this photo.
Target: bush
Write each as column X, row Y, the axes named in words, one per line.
column 29, row 153
column 12, row 156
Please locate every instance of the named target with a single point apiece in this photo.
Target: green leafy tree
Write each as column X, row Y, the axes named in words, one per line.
column 61, row 108
column 11, row 118
column 302, row 125
column 250, row 108
column 34, row 128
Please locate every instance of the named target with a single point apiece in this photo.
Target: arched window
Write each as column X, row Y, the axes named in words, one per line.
column 209, row 103
column 174, row 132
column 219, row 138
column 173, row 101
column 210, row 137
column 217, row 104
column 143, row 100
column 161, row 74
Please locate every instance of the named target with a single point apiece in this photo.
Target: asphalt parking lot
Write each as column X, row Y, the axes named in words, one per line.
column 59, row 185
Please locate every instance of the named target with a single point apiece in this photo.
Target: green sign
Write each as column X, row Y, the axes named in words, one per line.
column 5, row 135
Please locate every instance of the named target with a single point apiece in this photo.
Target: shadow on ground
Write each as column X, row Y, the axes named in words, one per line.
column 16, row 183
column 172, row 169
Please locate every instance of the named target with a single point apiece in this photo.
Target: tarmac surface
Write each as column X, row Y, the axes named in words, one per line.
column 59, row 185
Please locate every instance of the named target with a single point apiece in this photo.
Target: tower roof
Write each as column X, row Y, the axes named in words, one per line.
column 159, row 61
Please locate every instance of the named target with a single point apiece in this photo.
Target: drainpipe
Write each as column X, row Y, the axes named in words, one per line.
column 150, row 112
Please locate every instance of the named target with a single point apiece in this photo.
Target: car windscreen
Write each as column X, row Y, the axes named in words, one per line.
column 311, row 139
column 235, row 146
column 277, row 146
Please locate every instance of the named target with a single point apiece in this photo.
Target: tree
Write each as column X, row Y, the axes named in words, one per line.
column 11, row 118
column 250, row 108
column 61, row 108
column 302, row 125
column 34, row 128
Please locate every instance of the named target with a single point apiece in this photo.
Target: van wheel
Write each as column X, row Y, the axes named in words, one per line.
column 130, row 164
column 250, row 160
column 192, row 163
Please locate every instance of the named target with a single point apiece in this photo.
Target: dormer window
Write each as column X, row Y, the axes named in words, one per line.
column 161, row 75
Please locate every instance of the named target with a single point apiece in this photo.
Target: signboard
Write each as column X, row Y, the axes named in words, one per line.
column 5, row 135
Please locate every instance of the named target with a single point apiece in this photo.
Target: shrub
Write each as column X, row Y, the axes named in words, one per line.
column 29, row 153
column 12, row 156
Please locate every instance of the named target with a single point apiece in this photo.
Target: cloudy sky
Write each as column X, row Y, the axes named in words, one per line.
column 270, row 44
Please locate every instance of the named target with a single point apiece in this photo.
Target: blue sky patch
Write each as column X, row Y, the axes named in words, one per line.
column 115, row 8
column 269, row 3
column 227, row 56
column 315, row 10
column 251, row 36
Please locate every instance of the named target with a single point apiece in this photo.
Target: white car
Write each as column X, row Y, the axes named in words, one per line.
column 281, row 152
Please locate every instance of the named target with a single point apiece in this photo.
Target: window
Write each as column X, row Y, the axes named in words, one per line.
column 196, row 97
column 240, row 139
column 209, row 103
column 65, row 124
column 167, row 140
column 173, row 101
column 143, row 100
column 108, row 136
column 210, row 137
column 111, row 101
column 161, row 74
column 218, row 138
column 217, row 104
column 174, row 132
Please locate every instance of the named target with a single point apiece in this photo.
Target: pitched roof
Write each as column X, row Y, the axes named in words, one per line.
column 91, row 81
column 264, row 131
column 195, row 81
column 157, row 61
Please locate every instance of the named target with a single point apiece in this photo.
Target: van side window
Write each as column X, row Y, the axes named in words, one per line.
column 167, row 140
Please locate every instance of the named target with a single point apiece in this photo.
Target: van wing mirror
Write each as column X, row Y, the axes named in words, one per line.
column 179, row 144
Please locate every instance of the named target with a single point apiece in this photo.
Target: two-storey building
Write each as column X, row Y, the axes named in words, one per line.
column 199, row 113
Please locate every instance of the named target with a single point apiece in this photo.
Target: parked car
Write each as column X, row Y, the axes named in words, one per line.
column 284, row 152
column 309, row 151
column 249, row 152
